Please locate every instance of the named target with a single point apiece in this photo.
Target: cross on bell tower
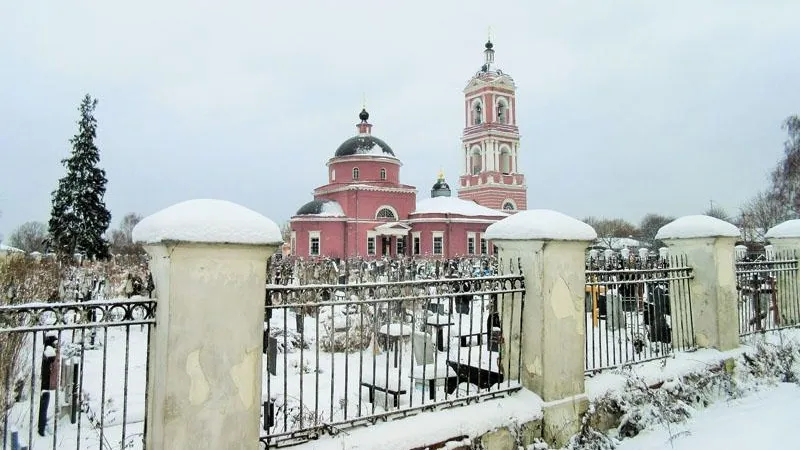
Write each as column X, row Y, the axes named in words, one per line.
column 490, row 141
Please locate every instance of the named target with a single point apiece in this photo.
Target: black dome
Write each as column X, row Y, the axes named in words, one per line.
column 364, row 145
column 489, row 45
column 363, row 115
column 441, row 184
column 312, row 207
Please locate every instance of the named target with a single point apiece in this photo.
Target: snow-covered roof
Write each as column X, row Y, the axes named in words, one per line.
column 209, row 221
column 788, row 229
column 541, row 224
column 454, row 205
column 618, row 243
column 697, row 226
column 328, row 208
column 9, row 249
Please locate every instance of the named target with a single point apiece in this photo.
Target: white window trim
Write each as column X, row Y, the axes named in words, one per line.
column 382, row 174
column 471, row 235
column 482, row 242
column 373, row 236
column 509, row 200
column 333, row 174
column 356, row 173
column 434, row 235
column 418, row 236
column 293, row 243
column 318, row 236
column 397, row 245
column 390, row 208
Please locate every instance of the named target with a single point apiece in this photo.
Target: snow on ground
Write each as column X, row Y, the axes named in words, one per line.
column 765, row 419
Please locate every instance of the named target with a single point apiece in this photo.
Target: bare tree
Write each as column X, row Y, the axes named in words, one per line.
column 786, row 176
column 718, row 212
column 122, row 239
column 30, row 236
column 286, row 231
column 608, row 230
column 649, row 226
column 761, row 213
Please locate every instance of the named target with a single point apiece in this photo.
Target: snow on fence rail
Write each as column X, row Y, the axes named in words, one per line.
column 77, row 377
column 769, row 293
column 337, row 356
column 635, row 315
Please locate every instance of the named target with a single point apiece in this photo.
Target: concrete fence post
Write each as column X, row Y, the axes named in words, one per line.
column 708, row 245
column 551, row 248
column 785, row 239
column 209, row 267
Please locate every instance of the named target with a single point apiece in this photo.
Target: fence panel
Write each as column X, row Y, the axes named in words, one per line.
column 769, row 293
column 351, row 354
column 637, row 314
column 73, row 375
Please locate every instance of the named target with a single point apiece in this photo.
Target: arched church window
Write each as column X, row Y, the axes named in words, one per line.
column 355, row 173
column 477, row 114
column 502, row 112
column 508, row 206
column 505, row 161
column 386, row 213
column 476, row 161
column 383, row 174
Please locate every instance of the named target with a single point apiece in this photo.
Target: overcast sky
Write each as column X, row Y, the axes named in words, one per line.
column 625, row 107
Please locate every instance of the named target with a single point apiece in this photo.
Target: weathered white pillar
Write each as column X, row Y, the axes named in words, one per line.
column 707, row 243
column 551, row 249
column 209, row 267
column 785, row 240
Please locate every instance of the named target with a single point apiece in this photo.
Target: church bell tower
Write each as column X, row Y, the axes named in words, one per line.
column 490, row 142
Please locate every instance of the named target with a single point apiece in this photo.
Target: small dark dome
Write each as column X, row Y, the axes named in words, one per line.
column 440, row 188
column 365, row 144
column 312, row 207
column 489, row 45
column 363, row 115
column 441, row 184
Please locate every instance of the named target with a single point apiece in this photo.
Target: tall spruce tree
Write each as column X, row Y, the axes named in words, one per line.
column 79, row 217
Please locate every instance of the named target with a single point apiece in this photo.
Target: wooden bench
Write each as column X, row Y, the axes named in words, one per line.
column 388, row 391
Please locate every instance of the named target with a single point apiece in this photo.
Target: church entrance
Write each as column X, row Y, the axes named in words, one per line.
column 386, row 242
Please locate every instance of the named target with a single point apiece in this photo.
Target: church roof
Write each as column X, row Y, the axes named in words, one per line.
column 329, row 208
column 364, row 144
column 453, row 205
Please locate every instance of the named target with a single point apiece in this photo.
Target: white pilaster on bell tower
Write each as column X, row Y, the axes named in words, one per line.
column 491, row 140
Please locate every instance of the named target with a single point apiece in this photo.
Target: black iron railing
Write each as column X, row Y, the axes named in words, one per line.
column 635, row 315
column 73, row 375
column 769, row 293
column 343, row 355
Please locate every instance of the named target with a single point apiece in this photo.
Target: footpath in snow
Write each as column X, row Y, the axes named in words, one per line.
column 763, row 419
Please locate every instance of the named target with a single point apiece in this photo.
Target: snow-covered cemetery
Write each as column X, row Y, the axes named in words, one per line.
column 384, row 293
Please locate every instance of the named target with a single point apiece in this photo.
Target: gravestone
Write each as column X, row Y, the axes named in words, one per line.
column 272, row 355
column 615, row 317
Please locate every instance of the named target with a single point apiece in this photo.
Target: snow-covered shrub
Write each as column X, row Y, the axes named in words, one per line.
column 640, row 406
column 345, row 328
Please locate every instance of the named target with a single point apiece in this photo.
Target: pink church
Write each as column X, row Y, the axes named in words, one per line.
column 364, row 209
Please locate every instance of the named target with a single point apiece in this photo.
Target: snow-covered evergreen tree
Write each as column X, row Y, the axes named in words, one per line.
column 79, row 217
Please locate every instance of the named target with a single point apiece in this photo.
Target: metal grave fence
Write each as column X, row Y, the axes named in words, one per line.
column 769, row 293
column 637, row 314
column 73, row 375
column 337, row 356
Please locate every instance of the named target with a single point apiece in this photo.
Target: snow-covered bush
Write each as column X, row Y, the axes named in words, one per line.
column 345, row 328
column 641, row 406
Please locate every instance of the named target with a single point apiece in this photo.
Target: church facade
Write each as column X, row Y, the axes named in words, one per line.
column 364, row 209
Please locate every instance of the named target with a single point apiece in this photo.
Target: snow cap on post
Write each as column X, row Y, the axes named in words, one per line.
column 697, row 226
column 788, row 229
column 541, row 224
column 207, row 221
